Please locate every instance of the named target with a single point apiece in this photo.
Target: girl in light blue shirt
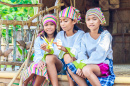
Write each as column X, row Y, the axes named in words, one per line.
column 67, row 44
column 36, row 73
column 94, row 66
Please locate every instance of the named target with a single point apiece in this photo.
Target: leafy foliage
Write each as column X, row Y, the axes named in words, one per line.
column 19, row 12
column 25, row 53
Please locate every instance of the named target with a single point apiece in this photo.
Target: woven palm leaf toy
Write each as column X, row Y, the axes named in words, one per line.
column 49, row 46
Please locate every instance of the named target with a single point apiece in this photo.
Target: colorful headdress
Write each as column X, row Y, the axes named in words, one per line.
column 49, row 18
column 70, row 12
column 97, row 12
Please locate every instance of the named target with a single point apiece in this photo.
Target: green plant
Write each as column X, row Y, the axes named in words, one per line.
column 25, row 53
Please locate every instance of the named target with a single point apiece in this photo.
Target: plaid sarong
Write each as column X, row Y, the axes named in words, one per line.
column 105, row 81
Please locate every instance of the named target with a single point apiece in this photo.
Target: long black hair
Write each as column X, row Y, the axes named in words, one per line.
column 101, row 29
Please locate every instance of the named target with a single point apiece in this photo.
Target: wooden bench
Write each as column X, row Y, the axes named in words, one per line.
column 5, row 77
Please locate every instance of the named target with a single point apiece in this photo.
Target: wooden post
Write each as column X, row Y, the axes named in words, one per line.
column 0, row 38
column 57, row 13
column 7, row 41
column 29, row 31
column 38, row 24
column 14, row 44
column 7, row 35
column 22, row 35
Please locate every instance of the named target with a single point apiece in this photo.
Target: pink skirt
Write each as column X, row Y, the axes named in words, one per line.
column 104, row 68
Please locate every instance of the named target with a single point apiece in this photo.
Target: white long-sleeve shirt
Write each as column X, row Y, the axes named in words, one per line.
column 73, row 42
column 39, row 53
column 96, row 51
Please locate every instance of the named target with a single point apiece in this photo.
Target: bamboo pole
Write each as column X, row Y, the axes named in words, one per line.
column 38, row 24
column 15, row 22
column 7, row 41
column 0, row 33
column 24, row 64
column 28, row 57
column 74, row 3
column 22, row 5
column 49, row 9
column 29, row 31
column 71, row 2
column 21, row 81
column 22, row 35
column 14, row 44
column 0, row 38
column 57, row 13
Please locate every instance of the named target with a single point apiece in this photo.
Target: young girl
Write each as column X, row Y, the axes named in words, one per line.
column 37, row 70
column 67, row 43
column 96, row 49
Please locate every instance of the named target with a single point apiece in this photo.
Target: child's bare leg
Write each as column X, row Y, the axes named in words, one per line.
column 39, row 80
column 80, row 81
column 71, row 83
column 28, row 79
column 91, row 72
column 68, row 59
column 53, row 65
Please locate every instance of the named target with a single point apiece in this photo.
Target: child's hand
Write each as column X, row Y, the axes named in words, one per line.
column 58, row 44
column 80, row 73
column 43, row 47
column 41, row 65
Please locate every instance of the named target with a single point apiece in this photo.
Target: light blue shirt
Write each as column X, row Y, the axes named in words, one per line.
column 96, row 51
column 72, row 42
column 39, row 53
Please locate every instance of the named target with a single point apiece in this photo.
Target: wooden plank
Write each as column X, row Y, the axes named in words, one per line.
column 63, row 81
column 124, row 3
column 114, row 29
column 122, row 80
column 8, row 74
column 120, row 16
column 113, row 6
column 104, row 4
column 114, row 2
column 15, row 22
column 117, row 51
column 106, row 14
column 12, row 63
column 120, row 34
